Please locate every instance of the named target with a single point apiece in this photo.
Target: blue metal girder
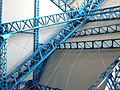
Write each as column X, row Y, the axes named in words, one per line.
column 64, row 5
column 1, row 10
column 110, row 77
column 25, row 68
column 39, row 87
column 3, row 56
column 3, row 63
column 36, row 72
column 94, row 44
column 28, row 24
column 112, row 28
column 111, row 13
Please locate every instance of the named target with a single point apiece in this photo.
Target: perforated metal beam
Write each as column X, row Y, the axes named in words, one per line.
column 25, row 68
column 113, row 28
column 40, row 87
column 3, row 63
column 111, row 13
column 94, row 44
column 110, row 78
column 28, row 24
column 36, row 72
column 3, row 55
column 1, row 10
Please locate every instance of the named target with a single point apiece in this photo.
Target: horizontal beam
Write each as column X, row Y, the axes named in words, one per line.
column 95, row 44
column 112, row 28
column 111, row 13
column 110, row 77
column 28, row 24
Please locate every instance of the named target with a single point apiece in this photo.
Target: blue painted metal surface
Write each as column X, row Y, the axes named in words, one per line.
column 1, row 10
column 25, row 68
column 3, row 63
column 110, row 78
column 3, row 55
column 111, row 13
column 39, row 87
column 28, row 24
column 94, row 44
column 113, row 28
column 36, row 42
column 64, row 5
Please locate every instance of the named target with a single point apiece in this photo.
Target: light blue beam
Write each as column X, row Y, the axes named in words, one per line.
column 111, row 13
column 93, row 44
column 28, row 24
column 112, row 28
column 110, row 77
column 36, row 41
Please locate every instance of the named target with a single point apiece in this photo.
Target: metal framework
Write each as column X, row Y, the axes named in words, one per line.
column 112, row 13
column 29, row 86
column 74, row 19
column 25, row 68
column 64, row 5
column 3, row 55
column 95, row 44
column 110, row 78
column 113, row 28
column 27, row 25
column 36, row 41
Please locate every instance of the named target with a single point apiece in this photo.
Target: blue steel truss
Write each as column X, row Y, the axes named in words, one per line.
column 40, row 87
column 3, row 62
column 30, row 86
column 1, row 11
column 111, row 13
column 25, row 68
column 113, row 28
column 36, row 42
column 27, row 25
column 94, row 44
column 3, row 55
column 110, row 78
column 64, row 5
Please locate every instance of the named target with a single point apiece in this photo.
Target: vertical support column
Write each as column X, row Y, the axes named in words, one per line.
column 3, row 63
column 3, row 55
column 36, row 41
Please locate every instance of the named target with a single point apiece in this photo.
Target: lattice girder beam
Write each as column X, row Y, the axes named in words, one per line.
column 38, row 87
column 44, row 21
column 3, row 61
column 93, row 44
column 36, row 41
column 111, row 13
column 27, row 25
column 112, row 28
column 110, row 77
column 64, row 5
